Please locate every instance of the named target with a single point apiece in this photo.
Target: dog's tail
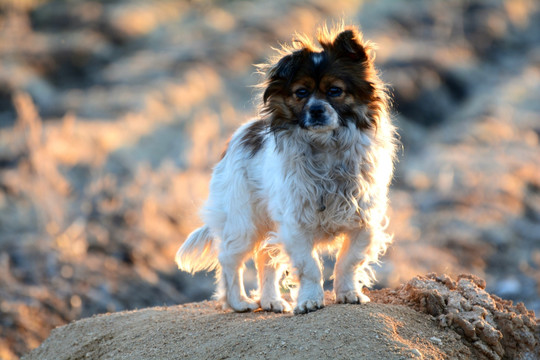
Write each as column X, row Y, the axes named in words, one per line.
column 198, row 252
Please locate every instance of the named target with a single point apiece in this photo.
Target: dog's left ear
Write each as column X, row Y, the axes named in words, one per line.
column 349, row 44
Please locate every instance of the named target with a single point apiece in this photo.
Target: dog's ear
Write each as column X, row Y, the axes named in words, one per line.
column 349, row 44
column 280, row 75
column 287, row 66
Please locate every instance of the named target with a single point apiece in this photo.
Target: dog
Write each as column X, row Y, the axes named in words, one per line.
column 311, row 172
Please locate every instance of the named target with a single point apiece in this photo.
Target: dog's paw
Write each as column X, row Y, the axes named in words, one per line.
column 352, row 297
column 244, row 305
column 275, row 305
column 308, row 305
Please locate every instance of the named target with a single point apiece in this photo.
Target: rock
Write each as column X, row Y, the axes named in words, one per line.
column 494, row 328
column 508, row 287
column 425, row 92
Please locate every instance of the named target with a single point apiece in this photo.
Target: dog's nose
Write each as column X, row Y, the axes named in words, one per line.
column 316, row 111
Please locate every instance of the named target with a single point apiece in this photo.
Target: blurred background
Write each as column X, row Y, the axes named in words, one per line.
column 113, row 112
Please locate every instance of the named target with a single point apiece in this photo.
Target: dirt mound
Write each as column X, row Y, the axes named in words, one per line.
column 495, row 328
column 465, row 322
column 204, row 331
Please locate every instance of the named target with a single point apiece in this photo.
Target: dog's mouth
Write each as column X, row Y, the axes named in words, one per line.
column 321, row 124
column 321, row 128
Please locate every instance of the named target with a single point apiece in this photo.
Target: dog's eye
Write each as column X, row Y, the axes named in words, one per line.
column 335, row 91
column 301, row 93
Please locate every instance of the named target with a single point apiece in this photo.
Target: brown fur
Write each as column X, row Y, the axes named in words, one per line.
column 347, row 60
column 254, row 137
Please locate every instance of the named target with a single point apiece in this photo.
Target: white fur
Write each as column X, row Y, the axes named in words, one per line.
column 317, row 58
column 310, row 190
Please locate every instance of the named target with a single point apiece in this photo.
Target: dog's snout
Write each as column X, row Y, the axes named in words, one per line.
column 318, row 116
column 316, row 111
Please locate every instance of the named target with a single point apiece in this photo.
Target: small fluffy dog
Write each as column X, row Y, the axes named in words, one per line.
column 312, row 172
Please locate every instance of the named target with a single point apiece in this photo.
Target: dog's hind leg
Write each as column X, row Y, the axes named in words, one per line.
column 269, row 273
column 350, row 269
column 236, row 246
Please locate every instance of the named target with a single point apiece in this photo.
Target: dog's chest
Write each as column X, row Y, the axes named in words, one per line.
column 328, row 189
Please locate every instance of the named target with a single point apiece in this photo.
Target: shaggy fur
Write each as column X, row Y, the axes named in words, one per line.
column 311, row 172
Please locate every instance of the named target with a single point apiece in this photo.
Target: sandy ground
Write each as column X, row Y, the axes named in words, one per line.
column 431, row 317
column 203, row 331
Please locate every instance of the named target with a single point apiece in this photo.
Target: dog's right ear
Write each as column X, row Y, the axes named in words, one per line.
column 284, row 68
column 287, row 66
column 280, row 75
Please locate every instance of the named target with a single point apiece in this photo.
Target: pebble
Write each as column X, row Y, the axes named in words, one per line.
column 508, row 287
column 417, row 353
column 435, row 340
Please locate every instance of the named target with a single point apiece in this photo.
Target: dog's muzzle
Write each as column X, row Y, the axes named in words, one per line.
column 320, row 116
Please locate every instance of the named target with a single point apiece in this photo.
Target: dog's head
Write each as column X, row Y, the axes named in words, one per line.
column 320, row 90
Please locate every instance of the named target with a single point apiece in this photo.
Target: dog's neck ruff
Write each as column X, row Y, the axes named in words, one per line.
column 325, row 173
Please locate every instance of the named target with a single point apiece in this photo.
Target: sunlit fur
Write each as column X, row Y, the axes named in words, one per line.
column 311, row 173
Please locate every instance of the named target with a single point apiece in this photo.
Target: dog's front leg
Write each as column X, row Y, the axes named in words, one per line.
column 306, row 263
column 350, row 268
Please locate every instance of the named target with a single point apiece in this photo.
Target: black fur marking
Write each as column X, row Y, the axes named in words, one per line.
column 254, row 136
